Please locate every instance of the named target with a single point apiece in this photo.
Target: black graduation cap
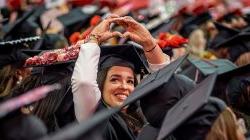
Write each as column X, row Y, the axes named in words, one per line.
column 51, row 41
column 86, row 129
column 12, row 52
column 199, row 68
column 16, row 125
column 74, row 20
column 122, row 55
column 22, row 127
column 236, row 45
column 12, row 56
column 165, row 26
column 228, row 17
column 229, row 85
column 193, row 23
column 224, row 34
column 22, row 27
column 195, row 109
column 153, row 81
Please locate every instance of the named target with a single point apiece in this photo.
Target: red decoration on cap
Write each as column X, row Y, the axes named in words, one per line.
column 76, row 36
column 170, row 40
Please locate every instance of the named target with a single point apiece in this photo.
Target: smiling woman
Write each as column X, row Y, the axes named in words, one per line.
column 118, row 85
column 105, row 76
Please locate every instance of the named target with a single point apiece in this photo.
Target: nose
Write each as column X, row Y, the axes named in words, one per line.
column 124, row 85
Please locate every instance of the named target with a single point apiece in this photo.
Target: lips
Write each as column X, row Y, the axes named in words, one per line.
column 121, row 96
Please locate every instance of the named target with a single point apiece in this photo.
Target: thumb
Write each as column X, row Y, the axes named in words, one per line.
column 132, row 36
column 127, row 35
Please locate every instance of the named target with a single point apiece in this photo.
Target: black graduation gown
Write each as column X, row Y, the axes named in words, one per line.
column 115, row 127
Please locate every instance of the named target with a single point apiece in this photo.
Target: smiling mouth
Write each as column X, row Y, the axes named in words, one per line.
column 121, row 96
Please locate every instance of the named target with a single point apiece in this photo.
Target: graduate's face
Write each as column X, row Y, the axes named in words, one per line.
column 118, row 84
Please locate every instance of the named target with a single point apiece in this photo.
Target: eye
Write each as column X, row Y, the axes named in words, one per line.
column 131, row 82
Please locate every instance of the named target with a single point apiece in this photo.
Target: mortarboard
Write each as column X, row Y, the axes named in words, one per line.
column 19, row 29
column 51, row 41
column 122, row 55
column 75, row 20
column 165, row 26
column 196, row 108
column 236, row 45
column 86, row 129
column 229, row 84
column 20, row 126
column 12, row 53
column 193, row 23
column 199, row 68
column 224, row 34
column 229, row 16
column 153, row 81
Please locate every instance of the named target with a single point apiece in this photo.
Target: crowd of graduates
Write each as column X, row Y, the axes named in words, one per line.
column 125, row 69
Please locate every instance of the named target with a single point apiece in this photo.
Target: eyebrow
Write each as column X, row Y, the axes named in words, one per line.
column 117, row 75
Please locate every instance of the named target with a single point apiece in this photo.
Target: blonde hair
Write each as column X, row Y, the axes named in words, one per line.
column 197, row 42
column 224, row 127
column 243, row 59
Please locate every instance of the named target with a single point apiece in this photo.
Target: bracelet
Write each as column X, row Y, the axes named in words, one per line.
column 92, row 37
column 151, row 49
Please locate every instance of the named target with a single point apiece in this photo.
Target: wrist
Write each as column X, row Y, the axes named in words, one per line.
column 149, row 44
column 92, row 39
column 148, row 50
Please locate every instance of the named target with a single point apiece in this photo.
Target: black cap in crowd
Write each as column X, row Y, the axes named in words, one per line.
column 192, row 23
column 153, row 81
column 223, row 34
column 193, row 116
column 236, row 45
column 75, row 20
column 122, row 55
column 21, row 28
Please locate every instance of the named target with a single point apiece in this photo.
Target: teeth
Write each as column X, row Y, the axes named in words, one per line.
column 121, row 96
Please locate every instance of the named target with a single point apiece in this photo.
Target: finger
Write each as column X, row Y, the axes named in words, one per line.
column 129, row 19
column 126, row 35
column 132, row 36
column 116, row 33
column 118, row 21
column 108, row 35
column 112, row 16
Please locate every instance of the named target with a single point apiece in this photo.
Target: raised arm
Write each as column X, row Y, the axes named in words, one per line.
column 138, row 33
column 86, row 93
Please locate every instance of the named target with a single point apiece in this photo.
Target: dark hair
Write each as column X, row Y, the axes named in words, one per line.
column 8, row 80
column 133, row 117
column 102, row 75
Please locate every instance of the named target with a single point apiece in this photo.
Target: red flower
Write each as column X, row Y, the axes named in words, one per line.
column 169, row 40
column 95, row 20
column 74, row 37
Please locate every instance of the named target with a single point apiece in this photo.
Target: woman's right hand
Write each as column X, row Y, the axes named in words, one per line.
column 102, row 31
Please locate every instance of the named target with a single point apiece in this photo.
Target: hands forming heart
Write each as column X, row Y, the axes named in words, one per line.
column 134, row 30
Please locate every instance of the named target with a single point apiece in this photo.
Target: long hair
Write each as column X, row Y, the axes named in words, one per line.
column 133, row 115
column 8, row 80
column 224, row 127
column 46, row 107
